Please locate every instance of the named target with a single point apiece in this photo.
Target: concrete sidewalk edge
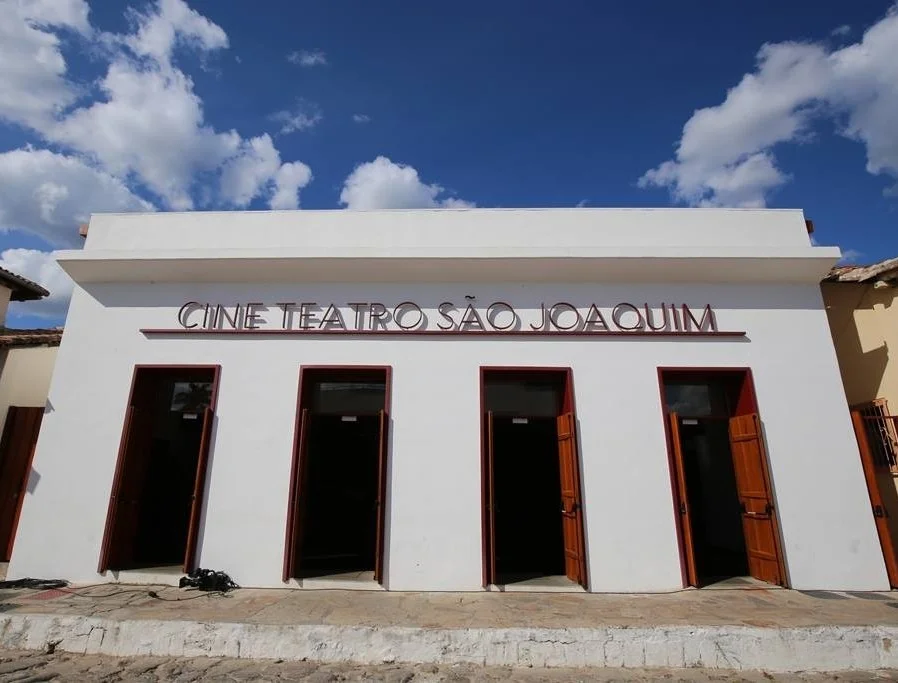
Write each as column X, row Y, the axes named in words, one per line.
column 780, row 650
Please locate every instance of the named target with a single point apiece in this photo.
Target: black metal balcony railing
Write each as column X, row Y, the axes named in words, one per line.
column 882, row 436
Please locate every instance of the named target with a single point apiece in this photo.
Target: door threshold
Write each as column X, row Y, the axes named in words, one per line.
column 540, row 584
column 163, row 575
column 739, row 583
column 351, row 581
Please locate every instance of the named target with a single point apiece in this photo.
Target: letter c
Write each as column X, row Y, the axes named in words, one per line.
column 185, row 312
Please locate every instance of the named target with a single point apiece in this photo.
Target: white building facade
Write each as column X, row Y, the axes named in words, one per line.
column 450, row 400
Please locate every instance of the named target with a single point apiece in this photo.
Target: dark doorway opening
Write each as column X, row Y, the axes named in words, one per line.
column 337, row 506
column 529, row 537
column 717, row 535
column 159, row 484
column 532, row 511
column 727, row 522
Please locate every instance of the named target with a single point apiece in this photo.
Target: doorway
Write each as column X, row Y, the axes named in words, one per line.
column 532, row 509
column 337, row 503
column 729, row 532
column 16, row 453
column 160, row 478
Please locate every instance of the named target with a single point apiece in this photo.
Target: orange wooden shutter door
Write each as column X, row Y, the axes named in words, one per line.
column 491, row 499
column 682, row 500
column 759, row 521
column 294, row 506
column 199, row 491
column 880, row 515
column 122, row 513
column 16, row 451
column 381, row 497
column 571, row 505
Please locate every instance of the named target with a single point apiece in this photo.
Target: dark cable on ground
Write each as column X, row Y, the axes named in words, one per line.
column 37, row 584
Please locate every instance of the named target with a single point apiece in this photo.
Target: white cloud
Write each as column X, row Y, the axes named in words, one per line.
column 307, row 58
column 850, row 256
column 258, row 169
column 147, row 127
column 33, row 85
column 361, row 118
column 244, row 175
column 382, row 184
column 41, row 267
column 50, row 194
column 842, row 30
column 172, row 21
column 725, row 155
column 303, row 117
column 290, row 178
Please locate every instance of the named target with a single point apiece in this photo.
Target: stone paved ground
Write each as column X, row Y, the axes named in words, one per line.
column 30, row 667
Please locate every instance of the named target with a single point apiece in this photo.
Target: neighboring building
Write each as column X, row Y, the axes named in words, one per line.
column 860, row 303
column 863, row 317
column 26, row 365
column 450, row 400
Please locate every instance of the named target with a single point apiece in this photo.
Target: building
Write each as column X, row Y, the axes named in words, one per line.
column 863, row 317
column 451, row 400
column 26, row 365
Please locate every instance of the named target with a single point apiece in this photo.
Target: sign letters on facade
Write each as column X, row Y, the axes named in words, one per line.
column 360, row 317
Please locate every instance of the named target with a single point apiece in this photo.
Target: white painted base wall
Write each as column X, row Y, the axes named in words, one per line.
column 433, row 515
column 746, row 648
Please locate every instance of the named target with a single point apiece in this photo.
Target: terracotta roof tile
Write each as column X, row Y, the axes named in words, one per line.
column 884, row 270
column 11, row 338
column 22, row 288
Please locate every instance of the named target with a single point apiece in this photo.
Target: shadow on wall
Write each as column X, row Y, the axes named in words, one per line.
column 863, row 371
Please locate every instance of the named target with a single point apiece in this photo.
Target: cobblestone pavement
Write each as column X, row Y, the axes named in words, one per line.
column 30, row 667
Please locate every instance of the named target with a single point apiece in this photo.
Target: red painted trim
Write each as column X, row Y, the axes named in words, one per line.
column 181, row 332
column 701, row 370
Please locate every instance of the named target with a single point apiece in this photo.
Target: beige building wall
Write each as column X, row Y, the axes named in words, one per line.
column 4, row 304
column 864, row 324
column 25, row 378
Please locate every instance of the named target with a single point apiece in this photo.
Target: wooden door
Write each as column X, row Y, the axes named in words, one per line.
column 16, row 452
column 682, row 500
column 759, row 521
column 880, row 515
column 491, row 499
column 571, row 503
column 381, row 496
column 199, row 491
column 294, row 506
column 122, row 515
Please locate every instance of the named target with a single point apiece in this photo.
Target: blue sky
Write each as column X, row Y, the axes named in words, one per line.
column 208, row 104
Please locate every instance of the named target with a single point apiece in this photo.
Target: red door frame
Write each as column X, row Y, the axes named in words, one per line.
column 746, row 403
column 118, row 474
column 567, row 406
column 297, row 462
